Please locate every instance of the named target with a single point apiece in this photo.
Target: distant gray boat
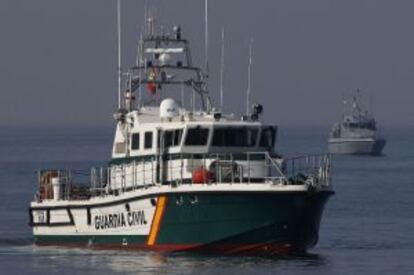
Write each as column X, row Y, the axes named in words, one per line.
column 357, row 133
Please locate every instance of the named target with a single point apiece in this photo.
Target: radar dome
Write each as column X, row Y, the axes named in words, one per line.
column 164, row 58
column 169, row 108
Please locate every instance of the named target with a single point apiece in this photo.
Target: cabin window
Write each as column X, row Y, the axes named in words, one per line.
column 368, row 125
column 268, row 137
column 168, row 138
column 235, row 137
column 173, row 137
column 197, row 136
column 178, row 134
column 148, row 140
column 135, row 141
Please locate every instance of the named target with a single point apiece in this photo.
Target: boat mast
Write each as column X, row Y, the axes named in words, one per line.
column 119, row 52
column 355, row 105
column 208, row 104
column 371, row 106
column 344, row 103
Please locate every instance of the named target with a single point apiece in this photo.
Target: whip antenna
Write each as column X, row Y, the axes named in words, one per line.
column 119, row 51
column 249, row 72
column 222, row 71
column 206, row 34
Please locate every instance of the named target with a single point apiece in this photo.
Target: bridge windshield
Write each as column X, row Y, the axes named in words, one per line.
column 235, row 136
column 268, row 137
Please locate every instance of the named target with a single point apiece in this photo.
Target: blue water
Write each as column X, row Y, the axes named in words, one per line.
column 367, row 227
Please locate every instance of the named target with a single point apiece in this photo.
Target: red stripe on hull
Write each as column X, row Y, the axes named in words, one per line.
column 220, row 249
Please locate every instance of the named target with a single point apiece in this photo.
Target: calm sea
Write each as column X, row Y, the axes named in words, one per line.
column 367, row 227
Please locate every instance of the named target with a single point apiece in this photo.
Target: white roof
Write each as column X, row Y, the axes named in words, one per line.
column 149, row 116
column 164, row 50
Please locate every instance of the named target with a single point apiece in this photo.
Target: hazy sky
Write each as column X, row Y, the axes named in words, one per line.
column 58, row 57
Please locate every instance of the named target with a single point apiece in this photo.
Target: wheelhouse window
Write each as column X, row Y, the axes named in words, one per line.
column 148, row 140
column 135, row 141
column 197, row 136
column 235, row 136
column 353, row 125
column 168, row 138
column 178, row 134
column 173, row 137
column 268, row 136
column 370, row 125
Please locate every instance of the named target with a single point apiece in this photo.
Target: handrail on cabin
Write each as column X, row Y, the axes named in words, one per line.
column 222, row 168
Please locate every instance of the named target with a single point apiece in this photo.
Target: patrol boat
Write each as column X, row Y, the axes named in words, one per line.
column 184, row 176
column 357, row 133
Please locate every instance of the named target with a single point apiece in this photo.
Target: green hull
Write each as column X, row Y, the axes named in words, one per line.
column 233, row 223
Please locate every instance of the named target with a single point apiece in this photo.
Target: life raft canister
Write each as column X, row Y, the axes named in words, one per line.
column 202, row 175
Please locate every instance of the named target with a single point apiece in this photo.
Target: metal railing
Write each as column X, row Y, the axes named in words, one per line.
column 250, row 168
column 314, row 169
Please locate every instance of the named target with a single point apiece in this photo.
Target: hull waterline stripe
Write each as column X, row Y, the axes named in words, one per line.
column 226, row 249
column 156, row 222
